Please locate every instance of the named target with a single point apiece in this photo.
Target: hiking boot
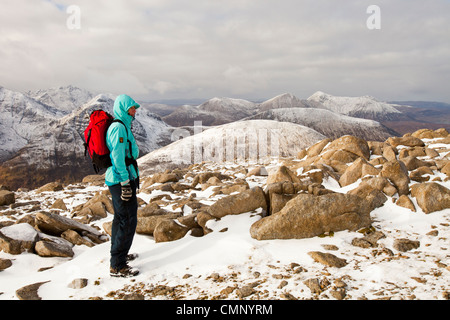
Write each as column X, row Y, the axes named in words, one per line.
column 132, row 256
column 125, row 272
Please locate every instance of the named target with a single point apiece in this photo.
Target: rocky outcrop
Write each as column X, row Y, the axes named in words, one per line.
column 431, row 196
column 245, row 201
column 308, row 216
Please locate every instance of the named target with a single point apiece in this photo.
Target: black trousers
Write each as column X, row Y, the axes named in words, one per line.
column 123, row 226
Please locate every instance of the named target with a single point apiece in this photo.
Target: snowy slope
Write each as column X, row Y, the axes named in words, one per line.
column 21, row 119
column 53, row 144
column 360, row 107
column 213, row 112
column 329, row 123
column 253, row 140
column 228, row 259
column 286, row 100
column 65, row 99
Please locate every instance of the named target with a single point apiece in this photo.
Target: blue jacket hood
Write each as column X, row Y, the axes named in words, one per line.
column 121, row 106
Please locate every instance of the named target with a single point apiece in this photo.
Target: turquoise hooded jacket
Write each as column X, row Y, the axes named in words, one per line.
column 117, row 138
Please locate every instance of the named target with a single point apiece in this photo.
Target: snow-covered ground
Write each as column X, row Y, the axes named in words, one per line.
column 228, row 262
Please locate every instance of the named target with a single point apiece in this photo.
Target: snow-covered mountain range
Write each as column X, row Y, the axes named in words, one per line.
column 42, row 130
column 48, row 141
column 361, row 107
column 328, row 123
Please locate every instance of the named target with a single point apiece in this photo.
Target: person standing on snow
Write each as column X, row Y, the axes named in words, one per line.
column 122, row 179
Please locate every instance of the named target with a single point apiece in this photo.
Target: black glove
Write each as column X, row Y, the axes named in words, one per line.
column 127, row 193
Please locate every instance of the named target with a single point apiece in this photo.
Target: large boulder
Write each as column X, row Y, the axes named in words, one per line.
column 397, row 173
column 282, row 174
column 431, row 196
column 55, row 224
column 308, row 216
column 18, row 238
column 54, row 247
column 169, row 230
column 356, row 170
column 351, row 144
column 147, row 224
column 245, row 201
column 408, row 141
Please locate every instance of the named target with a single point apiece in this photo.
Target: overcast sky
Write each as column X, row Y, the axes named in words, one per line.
column 250, row 49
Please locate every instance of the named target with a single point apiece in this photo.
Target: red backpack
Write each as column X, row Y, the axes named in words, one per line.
column 95, row 139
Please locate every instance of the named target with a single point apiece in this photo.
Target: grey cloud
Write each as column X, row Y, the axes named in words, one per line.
column 245, row 49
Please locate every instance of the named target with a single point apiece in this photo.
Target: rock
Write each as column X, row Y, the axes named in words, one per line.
column 189, row 221
column 169, row 230
column 431, row 196
column 404, row 245
column 282, row 174
column 5, row 264
column 229, row 189
column 412, row 163
column 95, row 179
column 412, row 152
column 381, row 184
column 134, row 296
column 317, row 148
column 328, row 259
column 405, row 141
column 152, row 209
column 57, row 247
column 164, row 178
column 18, row 238
column 351, row 174
column 397, row 173
column 430, row 134
column 202, row 219
column 258, row 171
column 246, row 201
column 107, row 226
column 338, row 294
column 205, row 176
column 374, row 197
column 278, row 201
column 30, row 292
column 405, row 202
column 55, row 224
column 313, row 285
column 369, row 240
column 359, row 168
column 52, row 187
column 308, row 216
column 6, row 198
column 147, row 225
column 446, row 169
column 351, row 144
column 390, row 153
column 59, row 204
column 341, row 156
column 420, row 174
column 75, row 238
column 431, row 153
column 245, row 291
column 97, row 206
column 79, row 283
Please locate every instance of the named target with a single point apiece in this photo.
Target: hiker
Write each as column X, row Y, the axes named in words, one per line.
column 122, row 179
